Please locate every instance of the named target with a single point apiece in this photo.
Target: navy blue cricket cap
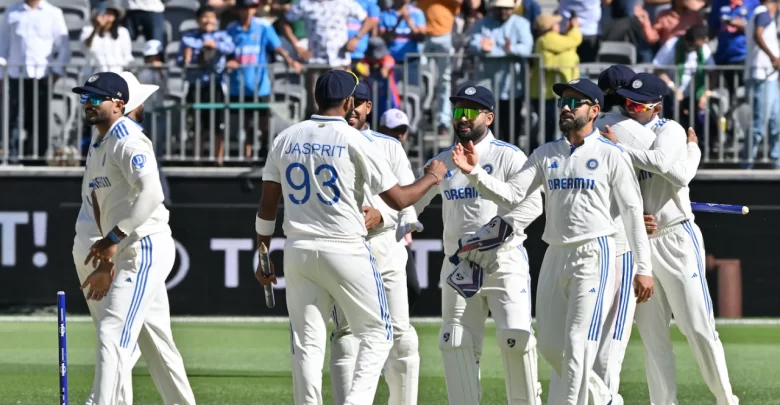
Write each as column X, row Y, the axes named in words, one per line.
column 335, row 85
column 615, row 77
column 584, row 86
column 644, row 87
column 478, row 94
column 106, row 84
column 363, row 92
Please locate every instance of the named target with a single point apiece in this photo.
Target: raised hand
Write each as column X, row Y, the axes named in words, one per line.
column 465, row 157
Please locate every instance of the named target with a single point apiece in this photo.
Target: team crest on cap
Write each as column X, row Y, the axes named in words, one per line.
column 575, row 81
column 470, row 91
column 592, row 164
column 92, row 78
column 636, row 84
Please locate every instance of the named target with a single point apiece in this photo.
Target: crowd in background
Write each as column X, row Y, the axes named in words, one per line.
column 381, row 42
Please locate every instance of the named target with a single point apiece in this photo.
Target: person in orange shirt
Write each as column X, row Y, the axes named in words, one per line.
column 440, row 16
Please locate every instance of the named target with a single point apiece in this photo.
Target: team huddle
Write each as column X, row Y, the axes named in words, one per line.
column 623, row 247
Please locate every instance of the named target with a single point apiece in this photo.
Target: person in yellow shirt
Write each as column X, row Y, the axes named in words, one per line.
column 559, row 60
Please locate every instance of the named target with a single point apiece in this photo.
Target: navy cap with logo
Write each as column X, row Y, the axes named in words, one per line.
column 583, row 86
column 615, row 77
column 362, row 92
column 644, row 87
column 334, row 85
column 478, row 94
column 106, row 84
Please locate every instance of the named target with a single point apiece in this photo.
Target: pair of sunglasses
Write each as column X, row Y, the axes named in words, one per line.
column 573, row 102
column 93, row 99
column 636, row 107
column 470, row 113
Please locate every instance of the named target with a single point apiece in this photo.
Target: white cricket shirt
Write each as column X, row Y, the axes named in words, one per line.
column 669, row 203
column 464, row 209
column 399, row 164
column 87, row 231
column 580, row 184
column 324, row 167
column 114, row 166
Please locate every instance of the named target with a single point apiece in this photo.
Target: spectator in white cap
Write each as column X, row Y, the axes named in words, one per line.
column 395, row 123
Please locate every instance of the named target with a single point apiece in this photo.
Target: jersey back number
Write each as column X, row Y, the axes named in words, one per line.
column 324, row 170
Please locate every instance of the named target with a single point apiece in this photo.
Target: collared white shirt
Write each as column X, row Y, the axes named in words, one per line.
column 668, row 202
column 114, row 166
column 325, row 167
column 106, row 53
column 29, row 39
column 464, row 209
column 154, row 6
column 326, row 28
column 580, row 184
column 399, row 164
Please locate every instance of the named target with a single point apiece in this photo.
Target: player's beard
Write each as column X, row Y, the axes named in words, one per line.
column 569, row 124
column 96, row 117
column 477, row 131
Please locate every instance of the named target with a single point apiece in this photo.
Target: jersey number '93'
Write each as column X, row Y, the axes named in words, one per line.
column 305, row 184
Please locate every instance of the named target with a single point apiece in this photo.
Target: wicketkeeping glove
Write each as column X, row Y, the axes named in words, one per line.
column 466, row 279
column 482, row 247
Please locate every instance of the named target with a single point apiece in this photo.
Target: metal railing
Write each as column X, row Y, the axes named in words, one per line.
column 41, row 121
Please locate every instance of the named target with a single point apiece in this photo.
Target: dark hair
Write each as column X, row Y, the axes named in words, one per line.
column 204, row 9
column 328, row 104
column 696, row 33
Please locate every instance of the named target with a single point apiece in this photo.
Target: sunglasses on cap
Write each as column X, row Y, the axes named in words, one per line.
column 357, row 81
column 470, row 113
column 93, row 99
column 573, row 102
column 635, row 107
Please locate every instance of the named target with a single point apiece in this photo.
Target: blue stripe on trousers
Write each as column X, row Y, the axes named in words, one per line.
column 380, row 287
column 700, row 264
column 138, row 291
column 595, row 321
column 625, row 295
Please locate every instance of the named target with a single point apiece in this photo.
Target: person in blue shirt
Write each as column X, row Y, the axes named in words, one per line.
column 403, row 28
column 203, row 54
column 354, row 25
column 255, row 41
column 727, row 22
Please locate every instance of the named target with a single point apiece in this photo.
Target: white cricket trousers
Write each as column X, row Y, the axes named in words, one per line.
column 136, row 311
column 506, row 295
column 321, row 273
column 403, row 363
column 573, row 297
column 681, row 290
column 615, row 334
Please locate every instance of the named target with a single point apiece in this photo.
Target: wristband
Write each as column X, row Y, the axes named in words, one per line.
column 112, row 236
column 263, row 227
column 438, row 180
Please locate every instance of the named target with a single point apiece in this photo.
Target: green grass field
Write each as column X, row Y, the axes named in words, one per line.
column 248, row 363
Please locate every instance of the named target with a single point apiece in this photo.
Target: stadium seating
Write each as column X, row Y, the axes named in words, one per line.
column 617, row 52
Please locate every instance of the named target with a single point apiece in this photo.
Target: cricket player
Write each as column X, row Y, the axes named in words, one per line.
column 677, row 255
column 321, row 166
column 127, row 203
column 87, row 233
column 505, row 292
column 384, row 225
column 582, row 175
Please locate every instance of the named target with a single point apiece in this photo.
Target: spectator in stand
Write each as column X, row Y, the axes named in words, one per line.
column 727, row 22
column 655, row 7
column 355, row 25
column 502, row 34
column 588, row 13
column 278, row 9
column 154, row 73
column 107, row 44
column 250, row 82
column 328, row 35
column 32, row 32
column 559, row 55
column 203, row 54
column 679, row 64
column 403, row 29
column 378, row 67
column 528, row 9
column 761, row 73
column 440, row 15
column 671, row 23
column 145, row 17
